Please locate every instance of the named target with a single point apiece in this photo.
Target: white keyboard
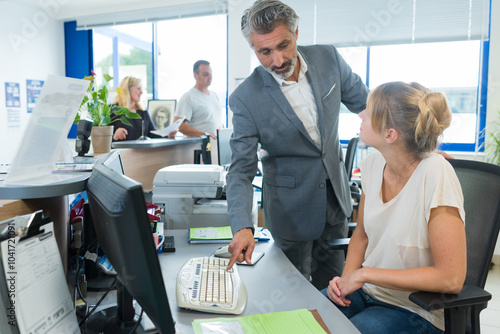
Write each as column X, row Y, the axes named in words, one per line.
column 204, row 284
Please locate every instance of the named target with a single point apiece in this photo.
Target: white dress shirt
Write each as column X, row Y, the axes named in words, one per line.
column 300, row 96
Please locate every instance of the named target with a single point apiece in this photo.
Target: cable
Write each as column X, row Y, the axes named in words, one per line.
column 98, row 303
column 77, row 285
column 79, row 260
column 137, row 323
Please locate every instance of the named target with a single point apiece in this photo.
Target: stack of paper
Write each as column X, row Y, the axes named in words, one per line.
column 223, row 234
column 289, row 322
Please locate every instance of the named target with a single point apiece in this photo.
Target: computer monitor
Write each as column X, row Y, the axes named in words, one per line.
column 124, row 234
column 96, row 279
column 113, row 161
column 223, row 148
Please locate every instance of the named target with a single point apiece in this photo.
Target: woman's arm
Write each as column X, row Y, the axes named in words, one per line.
column 447, row 275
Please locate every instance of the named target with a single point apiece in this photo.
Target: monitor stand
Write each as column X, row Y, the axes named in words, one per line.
column 117, row 319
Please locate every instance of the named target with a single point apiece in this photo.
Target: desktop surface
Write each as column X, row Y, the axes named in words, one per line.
column 63, row 184
column 273, row 285
column 154, row 142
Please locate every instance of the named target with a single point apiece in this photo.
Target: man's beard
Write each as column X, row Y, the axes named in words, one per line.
column 291, row 67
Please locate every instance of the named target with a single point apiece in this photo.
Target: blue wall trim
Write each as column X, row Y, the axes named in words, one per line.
column 78, row 51
column 79, row 55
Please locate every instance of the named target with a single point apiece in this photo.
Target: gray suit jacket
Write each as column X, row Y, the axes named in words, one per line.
column 294, row 168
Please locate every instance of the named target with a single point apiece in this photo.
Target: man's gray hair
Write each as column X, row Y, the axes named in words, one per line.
column 265, row 15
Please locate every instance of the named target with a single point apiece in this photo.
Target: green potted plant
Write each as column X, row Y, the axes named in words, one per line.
column 95, row 105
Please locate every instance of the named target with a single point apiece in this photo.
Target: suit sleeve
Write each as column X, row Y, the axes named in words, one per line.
column 354, row 91
column 239, row 189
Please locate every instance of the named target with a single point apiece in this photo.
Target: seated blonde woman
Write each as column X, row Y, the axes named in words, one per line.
column 410, row 234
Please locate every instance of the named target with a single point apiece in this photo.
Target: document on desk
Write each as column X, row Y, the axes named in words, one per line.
column 39, row 298
column 299, row 321
column 172, row 127
column 221, row 234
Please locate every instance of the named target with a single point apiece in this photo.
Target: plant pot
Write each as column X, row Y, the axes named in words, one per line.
column 101, row 138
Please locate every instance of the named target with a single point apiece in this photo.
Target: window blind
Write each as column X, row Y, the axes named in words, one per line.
column 204, row 8
column 382, row 22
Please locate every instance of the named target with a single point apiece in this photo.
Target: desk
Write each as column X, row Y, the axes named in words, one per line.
column 51, row 198
column 141, row 159
column 273, row 285
column 155, row 142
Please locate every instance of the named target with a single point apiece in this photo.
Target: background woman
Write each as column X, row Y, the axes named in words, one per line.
column 132, row 91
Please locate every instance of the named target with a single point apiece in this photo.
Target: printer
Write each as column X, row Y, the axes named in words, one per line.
column 191, row 195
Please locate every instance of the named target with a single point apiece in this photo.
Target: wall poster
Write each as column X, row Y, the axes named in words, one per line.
column 13, row 118
column 12, row 95
column 33, row 89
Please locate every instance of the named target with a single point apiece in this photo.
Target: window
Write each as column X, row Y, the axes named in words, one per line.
column 127, row 49
column 448, row 67
column 177, row 54
column 451, row 68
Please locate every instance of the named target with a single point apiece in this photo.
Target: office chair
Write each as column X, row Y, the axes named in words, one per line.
column 350, row 154
column 205, row 153
column 481, row 188
column 355, row 190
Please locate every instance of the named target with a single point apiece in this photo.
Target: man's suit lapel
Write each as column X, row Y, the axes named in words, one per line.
column 275, row 92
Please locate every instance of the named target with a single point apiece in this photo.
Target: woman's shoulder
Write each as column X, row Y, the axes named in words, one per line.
column 436, row 161
column 437, row 168
column 372, row 159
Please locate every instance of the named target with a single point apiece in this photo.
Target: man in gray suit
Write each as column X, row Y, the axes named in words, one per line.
column 290, row 105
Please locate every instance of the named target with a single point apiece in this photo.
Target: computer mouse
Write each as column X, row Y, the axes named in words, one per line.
column 222, row 252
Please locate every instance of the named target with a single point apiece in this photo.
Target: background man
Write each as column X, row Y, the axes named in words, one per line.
column 199, row 106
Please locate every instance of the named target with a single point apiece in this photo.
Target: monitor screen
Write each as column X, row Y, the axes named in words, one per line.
column 223, row 148
column 113, row 161
column 124, row 234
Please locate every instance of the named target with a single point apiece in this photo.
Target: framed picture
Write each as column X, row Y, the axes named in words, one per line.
column 162, row 112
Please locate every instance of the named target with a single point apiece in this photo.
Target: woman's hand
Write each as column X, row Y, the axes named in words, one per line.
column 120, row 134
column 341, row 287
column 334, row 293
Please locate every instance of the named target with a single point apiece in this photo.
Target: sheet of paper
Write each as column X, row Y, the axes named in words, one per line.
column 172, row 127
column 223, row 232
column 48, row 126
column 298, row 321
column 37, row 284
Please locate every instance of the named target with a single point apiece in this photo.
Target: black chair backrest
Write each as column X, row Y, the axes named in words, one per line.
column 350, row 155
column 480, row 183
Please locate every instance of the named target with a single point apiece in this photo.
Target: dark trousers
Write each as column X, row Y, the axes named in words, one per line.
column 310, row 257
